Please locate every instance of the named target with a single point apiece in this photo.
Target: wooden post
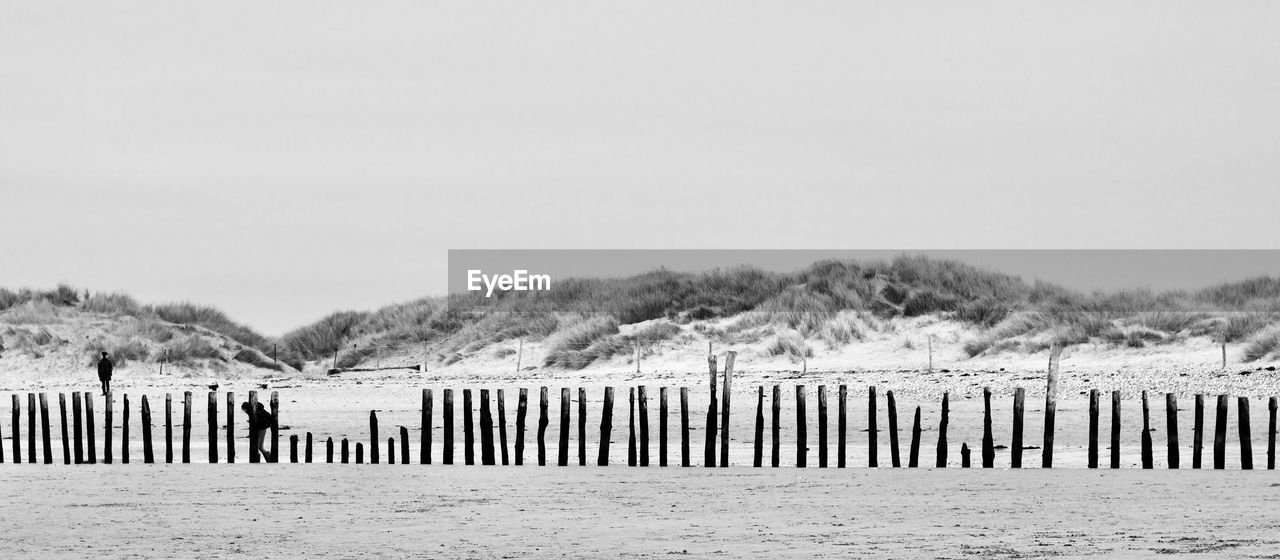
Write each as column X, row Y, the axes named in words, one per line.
column 186, row 427
column 802, row 441
column 942, row 430
column 31, row 428
column 124, row 430
column 582, row 427
column 293, row 448
column 1220, row 435
column 77, row 423
column 662, row 426
column 776, row 428
column 487, row 456
column 562, row 459
column 231, row 427
column 606, row 428
column 724, row 407
column 685, row 459
column 147, row 455
column 16, row 410
column 1246, row 442
column 522, row 408
column 1015, row 447
column 1171, row 422
column 107, row 430
column 1147, row 462
column 709, row 459
column 360, row 452
column 964, row 455
column 391, row 451
column 873, row 431
column 424, row 438
column 1197, row 432
column 275, row 430
column 1271, row 435
column 822, row 426
column 757, row 459
column 1093, row 429
column 988, row 441
column 307, row 454
column 631, row 423
column 346, row 454
column 88, row 430
column 447, row 410
column 1050, row 406
column 255, row 454
column 66, row 440
column 542, row 427
column 913, row 458
column 212, row 413
column 1115, row 429
column 502, row 426
column 328, row 450
column 168, row 427
column 644, row 425
column 842, row 427
column 468, row 430
column 894, row 458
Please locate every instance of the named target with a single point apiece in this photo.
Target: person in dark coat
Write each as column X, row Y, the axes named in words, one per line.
column 105, row 368
column 262, row 421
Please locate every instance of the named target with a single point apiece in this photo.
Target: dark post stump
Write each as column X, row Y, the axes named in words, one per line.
column 631, row 423
column 1171, row 421
column 147, row 455
column 662, row 426
column 404, row 445
column 186, row 425
column 873, row 431
column 1271, row 434
column 1115, row 429
column 724, row 407
column 802, row 440
column 391, row 451
column 582, row 427
column 644, row 425
column 16, row 410
column 988, row 441
column 542, row 427
column 1197, row 432
column 346, row 455
column 212, row 413
column 562, row 458
column 307, row 453
column 487, row 456
column 842, row 427
column 124, row 431
column 447, row 410
column 1220, row 435
column 1246, row 442
column 964, row 455
column 360, row 452
column 522, row 408
column 893, row 429
column 913, row 459
column 822, row 426
column 606, row 428
column 685, row 459
column 293, row 448
column 776, row 428
column 1147, row 461
column 424, row 439
column 107, row 430
column 709, row 459
column 231, row 427
column 77, row 431
column 275, row 429
column 328, row 450
column 502, row 426
column 66, row 440
column 757, row 459
column 168, row 427
column 88, row 429
column 1015, row 447
column 942, row 431
column 468, row 429
column 254, row 429
column 1093, row 428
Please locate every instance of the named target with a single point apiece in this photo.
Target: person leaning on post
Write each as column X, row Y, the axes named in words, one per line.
column 262, row 421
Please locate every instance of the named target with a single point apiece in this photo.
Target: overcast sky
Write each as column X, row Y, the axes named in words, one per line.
column 285, row 159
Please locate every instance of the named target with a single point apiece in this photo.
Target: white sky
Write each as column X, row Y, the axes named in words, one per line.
column 282, row 160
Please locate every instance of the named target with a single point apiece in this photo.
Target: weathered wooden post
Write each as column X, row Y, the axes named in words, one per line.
column 360, row 452
column 212, row 413
column 606, row 428
column 542, row 427
column 776, row 428
column 424, row 439
column 913, row 458
column 522, row 408
column 822, row 426
column 1171, row 421
column 894, row 458
column 107, row 430
column 16, row 410
column 168, row 427
column 1197, row 432
column 404, row 445
column 873, row 432
column 293, row 448
column 842, row 427
column 709, row 459
column 988, row 441
column 631, row 424
column 275, row 429
column 447, row 410
column 802, row 440
column 487, row 456
column 1093, row 428
column 186, row 425
column 964, row 455
column 1015, row 447
column 1146, row 434
column 942, row 431
column 124, row 430
column 231, row 427
column 391, row 451
column 147, row 455
column 31, row 428
column 1115, row 429
column 66, row 440
column 468, row 430
column 1246, row 441
column 307, row 453
column 662, row 426
column 88, row 430
column 1271, row 435
column 328, row 450
column 1220, row 435
column 757, row 458
column 346, row 453
column 77, row 427
column 685, row 459
column 582, row 427
column 644, row 425
column 502, row 427
column 255, row 455
column 724, row 407
column 562, row 458
column 1050, row 406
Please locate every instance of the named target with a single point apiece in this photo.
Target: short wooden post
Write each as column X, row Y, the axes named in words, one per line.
column 1220, row 435
column 502, row 427
column 662, row 426
column 391, row 451
column 306, row 456
column 942, row 431
column 582, row 427
column 231, row 427
column 709, row 459
column 107, row 430
column 542, row 426
column 212, row 414
column 88, row 430
column 894, row 458
column 802, row 440
column 293, row 448
column 447, row 410
column 776, row 428
column 346, row 454
column 988, row 441
column 124, row 430
column 631, row 424
column 757, row 458
column 16, row 411
column 606, row 428
column 562, row 458
column 404, row 445
column 724, row 407
column 468, row 429
column 275, row 429
column 1246, row 441
column 1146, row 434
column 822, row 426
column 424, row 438
column 842, row 427
column 255, row 454
column 643, row 401
column 186, row 425
column 873, row 431
column 66, row 440
column 147, row 455
column 1015, row 446
column 913, row 458
column 328, row 450
column 1271, row 434
column 487, row 456
column 360, row 452
column 77, row 427
column 1093, row 429
column 522, row 408
column 168, row 427
column 685, row 459
column 1115, row 429
column 1050, row 406
column 964, row 455
column 1171, row 422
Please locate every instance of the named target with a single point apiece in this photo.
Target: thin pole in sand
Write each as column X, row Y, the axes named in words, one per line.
column 254, row 428
column 822, row 426
column 606, row 427
column 124, row 432
column 913, row 459
column 542, row 426
column 1015, row 447
column 662, row 426
column 168, row 427
column 582, row 429
column 16, row 411
column 424, row 439
column 775, row 428
column 1197, row 432
column 404, row 445
column 373, row 433
column 486, row 430
column 328, row 450
column 212, row 413
column 231, row 427
column 522, row 408
column 631, row 423
column 1220, row 435
column 502, row 426
column 684, row 427
column 147, row 455
column 31, row 428
column 1146, row 434
column 942, row 431
column 709, row 458
column 988, row 441
column 307, row 450
column 1093, row 428
column 644, row 425
column 802, row 440
column 66, row 441
column 275, row 429
column 360, row 452
column 293, row 448
column 562, row 455
column 757, row 458
column 106, row 430
column 447, row 452
column 873, row 430
column 1050, row 406
column 1115, row 429
column 1171, row 422
column 1271, row 435
column 1246, row 442
column 77, row 427
column 729, row 358
column 893, row 429
column 842, row 426
column 88, row 429
column 345, row 451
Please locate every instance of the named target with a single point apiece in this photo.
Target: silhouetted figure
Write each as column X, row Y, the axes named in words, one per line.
column 104, row 373
column 262, row 421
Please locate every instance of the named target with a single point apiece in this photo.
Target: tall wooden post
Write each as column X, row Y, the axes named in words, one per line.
column 168, row 427
column 293, row 448
column 1246, row 441
column 631, row 425
column 502, row 427
column 1220, row 435
column 328, row 450
column 802, row 440
column 16, row 410
column 468, row 430
column 724, row 410
column 522, row 409
column 709, row 460
column 360, row 452
column 776, row 429
column 757, row 459
column 1015, row 447
column 345, row 452
column 822, row 426
column 685, row 459
column 1050, row 406
column 1171, row 422
column 307, row 455
column 77, row 422
column 562, row 459
column 373, row 433
column 447, row 410
column 582, row 427
column 212, row 413
column 147, row 455
column 988, row 440
column 487, row 456
column 31, row 428
column 1115, row 429
column 124, row 430
column 913, row 458
column 542, row 426
column 644, row 425
column 66, row 440
column 1147, row 462
column 1271, row 434
column 275, row 429
column 894, row 458
column 873, row 432
column 942, row 431
column 186, row 425
column 1093, row 428
column 606, row 428
column 842, row 427
column 1197, row 432
column 88, row 429
column 662, row 426
column 231, row 427
column 254, row 429
column 424, row 439
column 107, row 430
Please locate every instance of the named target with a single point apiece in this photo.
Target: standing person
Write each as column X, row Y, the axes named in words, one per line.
column 105, row 368
column 261, row 421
